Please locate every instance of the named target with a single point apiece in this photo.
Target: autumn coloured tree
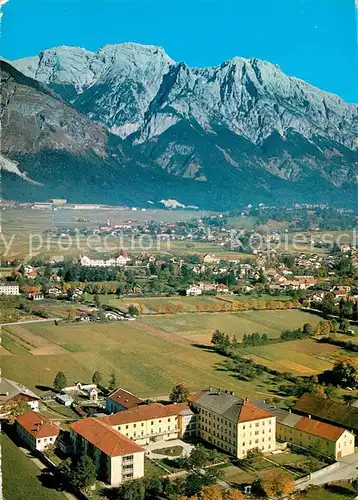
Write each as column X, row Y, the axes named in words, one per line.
column 232, row 495
column 215, row 492
column 345, row 372
column 324, row 327
column 277, row 483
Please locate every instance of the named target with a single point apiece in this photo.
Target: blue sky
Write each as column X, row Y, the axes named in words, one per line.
column 312, row 39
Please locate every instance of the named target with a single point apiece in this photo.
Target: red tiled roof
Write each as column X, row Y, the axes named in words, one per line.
column 37, row 425
column 249, row 412
column 320, row 429
column 145, row 412
column 124, row 398
column 103, row 437
column 327, row 409
column 195, row 396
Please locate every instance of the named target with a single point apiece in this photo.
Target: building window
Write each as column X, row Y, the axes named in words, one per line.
column 126, row 426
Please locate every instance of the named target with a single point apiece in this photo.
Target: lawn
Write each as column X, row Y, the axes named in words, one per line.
column 146, row 360
column 333, row 492
column 171, row 451
column 300, row 357
column 235, row 476
column 21, row 477
column 151, row 469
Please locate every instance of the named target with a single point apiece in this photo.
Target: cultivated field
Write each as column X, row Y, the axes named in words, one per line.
column 198, row 328
column 189, row 304
column 155, row 304
column 301, row 357
column 19, row 225
column 146, row 359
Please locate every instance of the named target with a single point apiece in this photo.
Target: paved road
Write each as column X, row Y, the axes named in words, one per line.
column 347, row 469
column 44, row 320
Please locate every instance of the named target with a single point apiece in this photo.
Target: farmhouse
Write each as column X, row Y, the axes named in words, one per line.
column 116, row 457
column 207, row 286
column 36, row 430
column 341, row 291
column 210, row 259
column 120, row 399
column 221, row 288
column 155, row 422
column 328, row 411
column 9, row 288
column 12, row 393
column 328, row 439
column 35, row 296
column 233, row 424
column 54, row 291
column 193, row 290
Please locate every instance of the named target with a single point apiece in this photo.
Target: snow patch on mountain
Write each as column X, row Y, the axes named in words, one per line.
column 12, row 167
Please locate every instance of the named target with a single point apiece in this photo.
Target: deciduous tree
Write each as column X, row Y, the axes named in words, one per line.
column 277, row 483
column 179, row 394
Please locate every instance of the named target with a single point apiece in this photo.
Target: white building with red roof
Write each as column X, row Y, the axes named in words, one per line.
column 116, row 457
column 154, row 422
column 36, row 430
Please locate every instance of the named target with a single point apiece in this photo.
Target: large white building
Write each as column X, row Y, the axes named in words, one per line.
column 9, row 288
column 119, row 261
column 233, row 424
column 116, row 457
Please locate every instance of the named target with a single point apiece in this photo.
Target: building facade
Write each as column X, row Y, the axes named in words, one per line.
column 9, row 288
column 36, row 431
column 326, row 439
column 120, row 399
column 117, row 458
column 12, row 394
column 155, row 422
column 233, row 424
column 112, row 262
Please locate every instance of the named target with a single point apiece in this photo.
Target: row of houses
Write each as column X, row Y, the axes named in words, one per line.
column 116, row 442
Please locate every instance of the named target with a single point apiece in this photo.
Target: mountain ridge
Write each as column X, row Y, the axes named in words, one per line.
column 243, row 124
